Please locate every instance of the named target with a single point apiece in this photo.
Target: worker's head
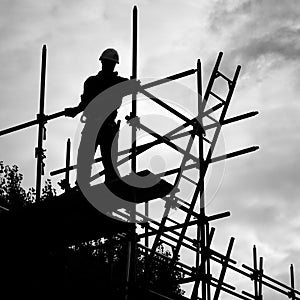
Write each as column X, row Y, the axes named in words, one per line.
column 109, row 58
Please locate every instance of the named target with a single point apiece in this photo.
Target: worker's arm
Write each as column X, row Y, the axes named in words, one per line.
column 74, row 111
column 131, row 86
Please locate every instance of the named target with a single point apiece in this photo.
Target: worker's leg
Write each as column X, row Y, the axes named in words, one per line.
column 108, row 141
column 85, row 158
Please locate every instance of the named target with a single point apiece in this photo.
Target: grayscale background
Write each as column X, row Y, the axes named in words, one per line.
column 260, row 189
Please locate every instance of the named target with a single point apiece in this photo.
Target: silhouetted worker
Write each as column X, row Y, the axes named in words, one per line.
column 93, row 86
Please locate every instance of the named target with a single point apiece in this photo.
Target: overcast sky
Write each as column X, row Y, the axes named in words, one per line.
column 261, row 189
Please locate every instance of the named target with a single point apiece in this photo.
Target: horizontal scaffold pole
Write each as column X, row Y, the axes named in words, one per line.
column 46, row 118
column 140, row 149
column 234, row 154
column 215, row 124
column 233, row 119
column 274, row 281
column 215, row 256
column 169, row 78
column 191, row 223
column 62, row 113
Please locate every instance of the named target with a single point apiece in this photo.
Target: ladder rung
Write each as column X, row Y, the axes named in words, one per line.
column 213, row 119
column 217, row 97
column 171, row 220
column 206, row 140
column 182, row 207
column 218, row 73
column 188, row 179
column 180, row 200
column 212, row 109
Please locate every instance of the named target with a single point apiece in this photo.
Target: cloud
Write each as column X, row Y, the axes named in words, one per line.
column 259, row 32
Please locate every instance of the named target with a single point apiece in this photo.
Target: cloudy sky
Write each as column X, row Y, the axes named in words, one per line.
column 261, row 189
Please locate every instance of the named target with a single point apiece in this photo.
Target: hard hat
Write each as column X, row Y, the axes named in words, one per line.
column 110, row 54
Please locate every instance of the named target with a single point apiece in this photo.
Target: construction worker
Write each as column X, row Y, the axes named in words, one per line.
column 108, row 132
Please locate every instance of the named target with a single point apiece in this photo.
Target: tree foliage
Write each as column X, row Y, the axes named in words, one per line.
column 13, row 195
column 104, row 269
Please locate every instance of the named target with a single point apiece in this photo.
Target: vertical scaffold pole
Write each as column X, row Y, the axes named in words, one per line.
column 202, row 223
column 255, row 281
column 199, row 90
column 39, row 151
column 146, row 271
column 202, row 200
column 292, row 294
column 68, row 155
column 147, row 261
column 200, row 146
column 260, row 284
column 131, row 267
column 208, row 263
column 134, row 76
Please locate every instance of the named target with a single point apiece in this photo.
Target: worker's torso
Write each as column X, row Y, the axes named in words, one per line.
column 94, row 86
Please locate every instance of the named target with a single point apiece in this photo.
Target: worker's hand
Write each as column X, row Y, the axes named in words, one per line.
column 132, row 86
column 71, row 112
column 135, row 85
column 133, row 121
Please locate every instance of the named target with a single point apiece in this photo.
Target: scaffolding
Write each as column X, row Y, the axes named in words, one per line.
column 204, row 129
